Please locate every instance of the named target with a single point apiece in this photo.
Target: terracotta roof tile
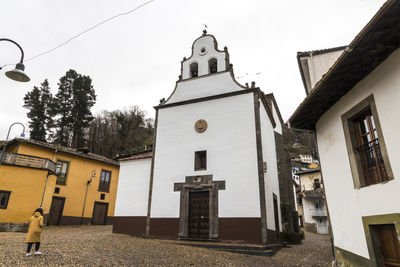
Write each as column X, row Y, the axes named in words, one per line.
column 140, row 155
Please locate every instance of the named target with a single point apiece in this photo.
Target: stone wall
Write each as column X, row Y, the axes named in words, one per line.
column 14, row 227
column 288, row 211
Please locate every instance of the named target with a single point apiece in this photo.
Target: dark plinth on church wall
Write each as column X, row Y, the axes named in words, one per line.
column 167, row 228
column 130, row 225
column 240, row 229
column 246, row 230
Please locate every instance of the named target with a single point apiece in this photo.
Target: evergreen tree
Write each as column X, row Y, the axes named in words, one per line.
column 38, row 102
column 62, row 107
column 71, row 106
column 83, row 99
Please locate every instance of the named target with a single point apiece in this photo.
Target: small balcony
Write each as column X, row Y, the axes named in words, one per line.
column 29, row 161
column 313, row 194
column 318, row 213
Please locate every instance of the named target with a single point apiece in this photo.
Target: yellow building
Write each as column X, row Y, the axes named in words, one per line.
column 84, row 191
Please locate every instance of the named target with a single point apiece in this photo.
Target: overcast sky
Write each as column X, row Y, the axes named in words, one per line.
column 135, row 59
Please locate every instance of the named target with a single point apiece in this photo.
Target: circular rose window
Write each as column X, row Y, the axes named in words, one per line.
column 200, row 126
column 203, row 51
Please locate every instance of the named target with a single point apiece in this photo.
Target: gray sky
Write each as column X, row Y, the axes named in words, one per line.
column 135, row 59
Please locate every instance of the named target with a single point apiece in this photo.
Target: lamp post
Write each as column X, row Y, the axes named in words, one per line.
column 18, row 73
column 5, row 144
column 92, row 175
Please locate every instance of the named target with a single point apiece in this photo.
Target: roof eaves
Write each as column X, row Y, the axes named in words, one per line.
column 91, row 156
column 338, row 64
column 130, row 155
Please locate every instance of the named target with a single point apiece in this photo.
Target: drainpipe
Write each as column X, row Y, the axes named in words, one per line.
column 151, row 177
column 84, row 201
column 44, row 190
column 47, row 178
column 93, row 175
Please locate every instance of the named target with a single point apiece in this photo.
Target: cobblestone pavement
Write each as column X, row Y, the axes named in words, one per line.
column 97, row 246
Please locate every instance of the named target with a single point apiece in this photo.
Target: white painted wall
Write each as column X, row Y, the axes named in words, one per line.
column 320, row 222
column 306, row 158
column 271, row 176
column 307, row 180
column 307, row 206
column 278, row 127
column 216, row 84
column 231, row 154
column 346, row 204
column 133, row 188
column 318, row 65
column 295, row 178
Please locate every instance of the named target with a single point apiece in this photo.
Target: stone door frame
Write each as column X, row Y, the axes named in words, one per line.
column 193, row 184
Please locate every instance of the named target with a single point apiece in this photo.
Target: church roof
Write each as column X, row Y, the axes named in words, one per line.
column 138, row 155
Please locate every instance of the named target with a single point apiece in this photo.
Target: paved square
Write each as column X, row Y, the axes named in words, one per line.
column 97, row 246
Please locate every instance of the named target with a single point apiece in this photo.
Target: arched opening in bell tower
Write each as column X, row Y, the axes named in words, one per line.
column 194, row 70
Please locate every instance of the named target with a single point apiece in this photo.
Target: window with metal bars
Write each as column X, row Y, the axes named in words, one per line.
column 365, row 142
column 62, row 176
column 368, row 148
column 105, row 179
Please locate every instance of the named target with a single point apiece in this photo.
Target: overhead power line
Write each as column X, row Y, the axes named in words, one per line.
column 87, row 30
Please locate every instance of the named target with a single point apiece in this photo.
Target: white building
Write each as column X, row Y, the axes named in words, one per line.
column 306, row 158
column 132, row 193
column 354, row 111
column 313, row 209
column 295, row 177
column 314, row 64
column 214, row 169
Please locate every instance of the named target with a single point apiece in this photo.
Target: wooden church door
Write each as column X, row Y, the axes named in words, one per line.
column 199, row 214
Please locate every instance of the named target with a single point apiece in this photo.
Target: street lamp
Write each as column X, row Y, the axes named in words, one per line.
column 5, row 144
column 18, row 73
column 92, row 175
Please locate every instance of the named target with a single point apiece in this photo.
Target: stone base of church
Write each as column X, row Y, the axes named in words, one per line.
column 129, row 225
column 246, row 230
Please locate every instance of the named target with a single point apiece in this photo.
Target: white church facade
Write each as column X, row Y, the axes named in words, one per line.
column 213, row 172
